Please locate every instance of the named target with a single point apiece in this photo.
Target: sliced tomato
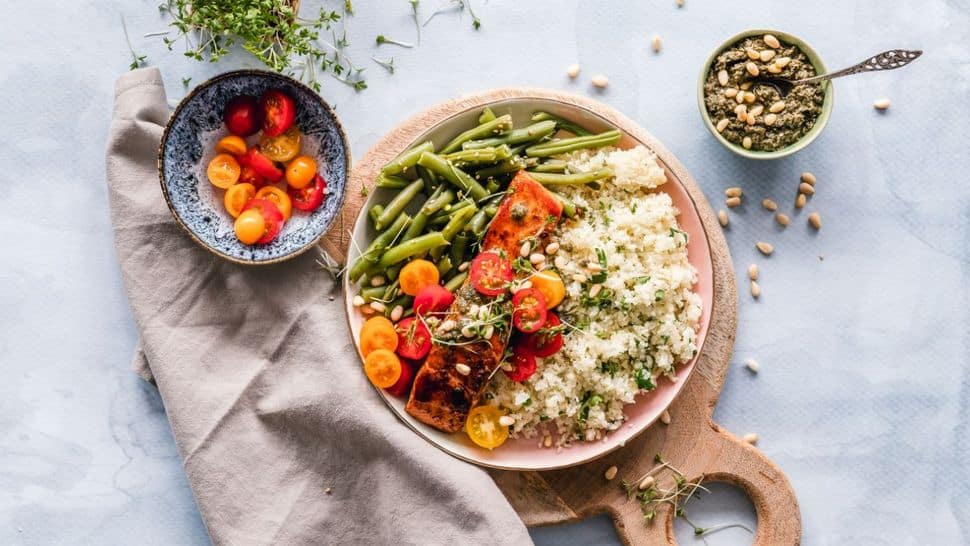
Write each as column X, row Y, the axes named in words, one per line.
column 236, row 198
column 309, row 198
column 547, row 341
column 484, row 427
column 243, row 116
column 490, row 273
column 282, row 148
column 263, row 165
column 271, row 215
column 403, row 385
column 413, row 339
column 279, row 112
column 523, row 365
column 248, row 175
column 278, row 197
column 528, row 310
column 433, row 298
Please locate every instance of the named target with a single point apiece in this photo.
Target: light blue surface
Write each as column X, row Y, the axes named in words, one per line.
column 864, row 393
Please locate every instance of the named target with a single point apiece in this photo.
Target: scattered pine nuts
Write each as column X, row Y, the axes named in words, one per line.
column 733, row 191
column 537, row 258
column 468, row 332
column 721, row 125
column 665, row 417
column 769, row 204
column 722, row 217
column 647, row 483
column 752, row 68
column 595, row 290
column 740, row 108
column 572, row 70
column 594, row 267
column 610, row 473
column 771, row 41
column 755, row 290
column 464, row 266
column 770, row 119
column 782, row 62
column 739, row 98
column 600, row 80
column 764, row 248
column 774, row 69
column 807, row 189
column 753, row 272
column 680, row 3
column 750, row 119
column 722, row 77
column 752, row 365
column 526, row 249
column 552, row 248
column 881, row 104
column 767, row 55
column 800, row 201
column 730, row 92
column 732, row 202
column 808, row 178
column 378, row 306
column 580, row 278
column 745, row 86
column 815, row 220
column 377, row 280
column 746, row 143
column 756, row 110
column 776, row 106
column 752, row 54
column 560, row 262
column 750, row 438
column 782, row 218
column 655, row 43
column 547, row 441
column 506, row 421
column 397, row 313
column 358, row 300
column 749, row 97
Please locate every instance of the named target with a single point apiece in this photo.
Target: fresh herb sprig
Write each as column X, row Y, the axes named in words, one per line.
column 136, row 59
column 457, row 5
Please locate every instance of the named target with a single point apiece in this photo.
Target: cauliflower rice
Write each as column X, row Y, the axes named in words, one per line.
column 641, row 324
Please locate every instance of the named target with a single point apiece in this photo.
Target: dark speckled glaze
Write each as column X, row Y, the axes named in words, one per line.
column 182, row 151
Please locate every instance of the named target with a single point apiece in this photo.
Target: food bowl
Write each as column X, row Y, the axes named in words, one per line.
column 187, row 146
column 802, row 142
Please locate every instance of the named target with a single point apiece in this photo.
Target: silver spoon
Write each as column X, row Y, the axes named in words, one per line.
column 887, row 60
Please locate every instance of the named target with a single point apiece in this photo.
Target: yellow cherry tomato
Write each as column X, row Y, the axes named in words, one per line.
column 483, row 427
column 237, row 196
column 383, row 368
column 377, row 333
column 281, row 148
column 550, row 284
column 231, row 144
column 250, row 226
column 278, row 196
column 223, row 171
column 416, row 275
column 300, row 172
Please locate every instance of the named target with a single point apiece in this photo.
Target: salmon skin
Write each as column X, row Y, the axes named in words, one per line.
column 441, row 396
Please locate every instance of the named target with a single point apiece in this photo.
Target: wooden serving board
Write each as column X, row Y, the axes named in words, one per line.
column 692, row 442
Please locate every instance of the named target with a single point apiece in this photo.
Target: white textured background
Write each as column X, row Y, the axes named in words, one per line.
column 864, row 393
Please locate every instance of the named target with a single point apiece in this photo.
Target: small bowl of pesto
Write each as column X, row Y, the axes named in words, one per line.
column 754, row 119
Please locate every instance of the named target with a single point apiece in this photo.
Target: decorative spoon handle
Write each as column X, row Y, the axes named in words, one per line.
column 887, row 60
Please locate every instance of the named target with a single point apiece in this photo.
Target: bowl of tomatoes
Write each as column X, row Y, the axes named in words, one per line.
column 253, row 166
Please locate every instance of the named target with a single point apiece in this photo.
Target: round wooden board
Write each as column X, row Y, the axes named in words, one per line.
column 692, row 442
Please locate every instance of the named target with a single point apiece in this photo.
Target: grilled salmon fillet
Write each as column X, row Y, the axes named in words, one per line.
column 441, row 396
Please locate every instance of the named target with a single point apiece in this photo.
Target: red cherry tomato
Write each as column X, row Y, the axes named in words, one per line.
column 433, row 298
column 242, row 116
column 523, row 365
column 309, row 198
column 279, row 112
column 490, row 273
column 403, row 385
column 271, row 214
column 248, row 175
column 413, row 339
column 263, row 165
column 528, row 310
column 547, row 341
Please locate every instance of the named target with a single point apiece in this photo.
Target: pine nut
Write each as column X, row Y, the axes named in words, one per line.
column 800, row 201
column 756, row 110
column 560, row 262
column 776, row 107
column 807, row 189
column 730, row 92
column 377, row 280
column 808, row 178
column 468, row 331
column 721, row 125
column 552, row 248
column 746, row 143
column 769, row 204
column 722, row 217
column 782, row 62
column 506, row 421
column 464, row 266
column 732, row 202
column 752, row 54
column 665, row 417
column 750, row 97
column 753, row 272
column 752, row 68
column 488, row 332
column 610, row 473
column 655, row 43
column 745, row 86
column 782, row 219
column 600, row 81
column 526, row 249
column 774, row 69
column 755, row 290
column 881, row 104
column 463, row 369
column 771, row 41
column 742, row 116
column 397, row 313
column 767, row 55
column 680, row 3
column 595, row 290
column 647, row 483
column 750, row 119
column 764, row 248
column 752, row 365
column 447, row 326
column 580, row 278
column 378, row 306
column 722, row 77
column 770, row 119
column 358, row 300
column 572, row 70
column 733, row 191
column 741, row 108
column 815, row 220
column 537, row 258
column 750, row 438
column 594, row 267
column 739, row 98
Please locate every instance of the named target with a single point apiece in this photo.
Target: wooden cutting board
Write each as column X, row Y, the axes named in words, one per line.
column 692, row 442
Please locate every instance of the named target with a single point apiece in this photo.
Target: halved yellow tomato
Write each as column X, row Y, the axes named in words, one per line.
column 383, row 368
column 278, row 196
column 550, row 284
column 223, row 171
column 282, row 148
column 231, row 144
column 237, row 196
column 484, row 428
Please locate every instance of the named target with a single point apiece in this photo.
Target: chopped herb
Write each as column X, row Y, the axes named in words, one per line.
column 610, row 368
column 136, row 59
column 186, row 82
column 600, row 277
column 643, row 280
column 364, row 190
column 527, row 403
column 644, row 381
column 589, row 400
column 658, row 295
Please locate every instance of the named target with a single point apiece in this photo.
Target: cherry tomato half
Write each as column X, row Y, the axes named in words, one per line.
column 236, row 198
column 528, row 310
column 490, row 273
column 300, row 171
column 231, row 144
column 282, row 148
column 248, row 175
column 278, row 197
column 523, row 365
column 403, row 385
column 279, row 112
column 310, row 197
column 483, row 427
column 547, row 341
column 249, row 227
column 271, row 215
column 223, row 171
column 433, row 298
column 243, row 116
column 263, row 165
column 413, row 339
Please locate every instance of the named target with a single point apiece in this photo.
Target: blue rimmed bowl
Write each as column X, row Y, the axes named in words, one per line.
column 188, row 145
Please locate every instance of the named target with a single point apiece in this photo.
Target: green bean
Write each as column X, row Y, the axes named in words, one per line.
column 429, row 179
column 404, row 301
column 396, row 206
column 391, row 182
column 375, row 212
column 373, row 252
column 452, row 174
column 552, row 179
column 392, row 272
column 556, row 147
column 455, row 224
column 491, row 210
column 568, row 207
column 515, row 136
column 444, row 265
column 441, row 198
column 372, row 293
column 456, row 281
column 487, row 116
column 390, row 291
column 418, row 223
column 498, row 125
column 447, row 211
column 406, row 160
column 502, row 167
column 550, row 166
column 492, row 186
column 480, row 155
column 405, row 250
column 476, row 225
column 561, row 123
column 458, row 247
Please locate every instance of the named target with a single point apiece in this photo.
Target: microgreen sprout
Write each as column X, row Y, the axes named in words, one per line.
column 414, row 16
column 136, row 59
column 388, row 64
column 381, row 39
column 457, row 5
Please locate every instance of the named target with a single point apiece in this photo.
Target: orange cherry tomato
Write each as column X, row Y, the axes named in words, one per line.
column 282, row 148
column 278, row 196
column 250, row 227
column 231, row 144
column 484, row 428
column 416, row 275
column 300, row 172
column 383, row 368
column 550, row 284
column 377, row 333
column 237, row 196
column 223, row 171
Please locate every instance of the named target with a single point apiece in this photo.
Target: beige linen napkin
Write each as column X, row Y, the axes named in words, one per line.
column 282, row 438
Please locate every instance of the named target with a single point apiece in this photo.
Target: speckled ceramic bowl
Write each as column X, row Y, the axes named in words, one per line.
column 187, row 147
